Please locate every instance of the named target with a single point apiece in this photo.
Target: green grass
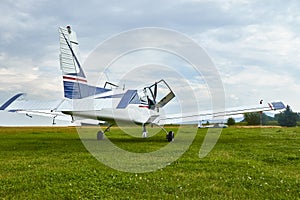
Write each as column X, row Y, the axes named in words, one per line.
column 52, row 163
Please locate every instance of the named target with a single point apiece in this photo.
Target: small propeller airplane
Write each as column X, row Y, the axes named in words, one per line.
column 110, row 105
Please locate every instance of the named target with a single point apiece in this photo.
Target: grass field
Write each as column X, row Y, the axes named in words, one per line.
column 52, row 163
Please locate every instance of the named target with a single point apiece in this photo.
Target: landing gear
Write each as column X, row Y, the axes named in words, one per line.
column 145, row 133
column 170, row 136
column 100, row 135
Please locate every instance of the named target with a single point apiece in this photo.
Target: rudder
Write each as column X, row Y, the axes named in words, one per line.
column 74, row 79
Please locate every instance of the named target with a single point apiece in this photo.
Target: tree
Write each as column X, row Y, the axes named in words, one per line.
column 254, row 118
column 288, row 117
column 230, row 121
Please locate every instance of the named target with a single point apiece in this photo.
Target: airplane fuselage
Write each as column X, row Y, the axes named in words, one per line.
column 112, row 107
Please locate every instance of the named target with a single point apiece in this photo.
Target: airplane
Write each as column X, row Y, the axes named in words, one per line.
column 110, row 104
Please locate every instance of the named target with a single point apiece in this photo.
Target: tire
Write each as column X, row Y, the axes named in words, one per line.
column 100, row 135
column 170, row 136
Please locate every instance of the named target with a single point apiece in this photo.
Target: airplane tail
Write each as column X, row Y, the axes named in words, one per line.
column 74, row 79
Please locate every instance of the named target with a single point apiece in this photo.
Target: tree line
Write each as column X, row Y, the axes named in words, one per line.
column 285, row 118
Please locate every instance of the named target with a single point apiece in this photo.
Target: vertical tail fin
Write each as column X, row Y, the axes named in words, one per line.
column 75, row 82
column 74, row 79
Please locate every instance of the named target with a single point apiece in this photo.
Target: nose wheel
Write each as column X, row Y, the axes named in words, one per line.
column 100, row 135
column 145, row 132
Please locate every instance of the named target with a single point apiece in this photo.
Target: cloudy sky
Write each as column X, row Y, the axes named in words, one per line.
column 253, row 44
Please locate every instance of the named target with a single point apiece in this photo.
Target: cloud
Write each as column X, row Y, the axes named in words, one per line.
column 254, row 44
column 257, row 59
column 254, row 83
column 24, row 75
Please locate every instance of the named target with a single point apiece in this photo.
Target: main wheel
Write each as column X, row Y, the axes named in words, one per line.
column 170, row 136
column 100, row 135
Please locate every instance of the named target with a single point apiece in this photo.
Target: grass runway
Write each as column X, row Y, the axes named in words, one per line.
column 52, row 163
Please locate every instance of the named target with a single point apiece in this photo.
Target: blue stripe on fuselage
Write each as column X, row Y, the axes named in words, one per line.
column 111, row 96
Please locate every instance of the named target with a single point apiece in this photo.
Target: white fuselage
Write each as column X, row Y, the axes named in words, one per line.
column 104, row 107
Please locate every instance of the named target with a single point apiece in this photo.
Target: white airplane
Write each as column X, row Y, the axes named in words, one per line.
column 112, row 106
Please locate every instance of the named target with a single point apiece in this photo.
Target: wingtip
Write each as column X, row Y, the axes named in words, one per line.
column 11, row 100
column 277, row 105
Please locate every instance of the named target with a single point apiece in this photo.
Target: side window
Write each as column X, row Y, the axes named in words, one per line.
column 143, row 97
column 135, row 99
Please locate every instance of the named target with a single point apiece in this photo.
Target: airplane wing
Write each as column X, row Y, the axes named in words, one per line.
column 190, row 117
column 58, row 107
column 32, row 113
column 18, row 103
column 87, row 108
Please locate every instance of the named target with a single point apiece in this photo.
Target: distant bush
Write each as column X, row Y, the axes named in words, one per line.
column 253, row 118
column 230, row 121
column 241, row 123
column 288, row 117
column 272, row 123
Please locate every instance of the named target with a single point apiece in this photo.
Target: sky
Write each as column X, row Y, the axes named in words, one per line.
column 253, row 44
